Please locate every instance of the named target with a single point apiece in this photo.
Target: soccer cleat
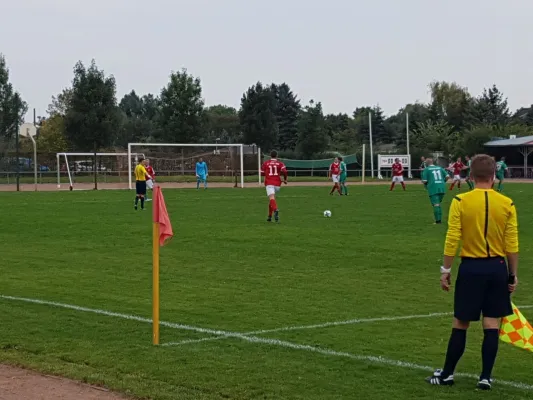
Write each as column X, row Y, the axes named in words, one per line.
column 484, row 384
column 269, row 219
column 438, row 380
column 135, row 206
column 438, row 222
column 276, row 215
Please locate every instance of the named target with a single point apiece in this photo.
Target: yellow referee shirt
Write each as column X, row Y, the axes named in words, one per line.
column 140, row 173
column 485, row 221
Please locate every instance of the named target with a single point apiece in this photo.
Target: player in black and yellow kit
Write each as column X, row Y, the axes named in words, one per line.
column 140, row 182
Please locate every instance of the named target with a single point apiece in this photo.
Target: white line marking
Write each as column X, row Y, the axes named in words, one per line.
column 255, row 339
column 329, row 324
column 372, row 359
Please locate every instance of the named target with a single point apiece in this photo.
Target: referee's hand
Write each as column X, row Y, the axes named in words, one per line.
column 512, row 287
column 445, row 282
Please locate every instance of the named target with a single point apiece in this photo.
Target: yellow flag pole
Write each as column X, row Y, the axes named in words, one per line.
column 155, row 284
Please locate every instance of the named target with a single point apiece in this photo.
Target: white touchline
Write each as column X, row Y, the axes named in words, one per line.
column 255, row 339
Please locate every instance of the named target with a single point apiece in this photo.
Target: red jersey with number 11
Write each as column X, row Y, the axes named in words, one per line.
column 272, row 171
column 397, row 169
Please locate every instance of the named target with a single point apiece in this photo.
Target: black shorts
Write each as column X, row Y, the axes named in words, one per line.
column 482, row 288
column 140, row 187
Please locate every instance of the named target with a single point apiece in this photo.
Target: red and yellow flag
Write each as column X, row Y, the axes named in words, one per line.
column 517, row 331
column 162, row 231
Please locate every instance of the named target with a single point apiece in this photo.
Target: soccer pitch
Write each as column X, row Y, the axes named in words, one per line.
column 347, row 307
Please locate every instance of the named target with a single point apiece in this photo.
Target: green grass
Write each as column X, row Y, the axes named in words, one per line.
column 51, row 177
column 226, row 268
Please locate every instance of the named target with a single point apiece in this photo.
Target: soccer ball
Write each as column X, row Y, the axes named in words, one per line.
column 327, row 213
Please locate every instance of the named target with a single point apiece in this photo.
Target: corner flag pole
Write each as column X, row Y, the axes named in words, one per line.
column 155, row 282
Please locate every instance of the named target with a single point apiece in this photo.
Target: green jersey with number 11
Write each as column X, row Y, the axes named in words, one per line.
column 435, row 179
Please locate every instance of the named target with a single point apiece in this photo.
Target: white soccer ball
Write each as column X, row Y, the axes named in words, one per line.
column 327, row 213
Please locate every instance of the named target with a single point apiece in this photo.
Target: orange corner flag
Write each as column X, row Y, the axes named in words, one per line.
column 162, row 231
column 517, row 331
column 161, row 216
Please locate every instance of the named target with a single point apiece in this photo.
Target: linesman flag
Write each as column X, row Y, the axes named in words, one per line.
column 517, row 331
column 162, row 232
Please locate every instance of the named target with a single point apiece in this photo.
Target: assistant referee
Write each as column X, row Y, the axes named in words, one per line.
column 485, row 221
column 140, row 182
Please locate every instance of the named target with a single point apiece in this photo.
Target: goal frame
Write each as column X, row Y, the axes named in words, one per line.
column 239, row 145
column 389, row 165
column 66, row 155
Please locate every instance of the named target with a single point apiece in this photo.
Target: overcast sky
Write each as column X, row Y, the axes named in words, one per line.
column 344, row 53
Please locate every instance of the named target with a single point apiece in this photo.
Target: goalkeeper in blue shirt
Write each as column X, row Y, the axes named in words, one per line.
column 201, row 173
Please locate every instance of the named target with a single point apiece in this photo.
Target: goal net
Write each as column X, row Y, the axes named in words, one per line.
column 77, row 169
column 174, row 164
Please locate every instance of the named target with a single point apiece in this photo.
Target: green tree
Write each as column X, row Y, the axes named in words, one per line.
column 287, row 116
column 524, row 116
column 451, row 103
column 312, row 138
column 181, row 111
column 138, row 119
column 490, row 108
column 51, row 137
column 397, row 124
column 60, row 103
column 12, row 108
column 380, row 133
column 222, row 122
column 435, row 136
column 257, row 117
column 336, row 123
column 92, row 117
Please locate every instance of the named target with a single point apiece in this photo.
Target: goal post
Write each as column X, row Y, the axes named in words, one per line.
column 146, row 147
column 72, row 164
column 386, row 161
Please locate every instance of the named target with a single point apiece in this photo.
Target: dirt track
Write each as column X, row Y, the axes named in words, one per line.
column 21, row 384
column 50, row 187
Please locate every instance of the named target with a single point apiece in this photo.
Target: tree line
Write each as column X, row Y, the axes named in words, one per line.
column 87, row 116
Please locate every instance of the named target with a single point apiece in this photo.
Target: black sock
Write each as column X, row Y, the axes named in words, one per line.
column 489, row 350
column 456, row 348
column 136, row 200
column 142, row 202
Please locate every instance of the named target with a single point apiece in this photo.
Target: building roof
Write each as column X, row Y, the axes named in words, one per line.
column 516, row 142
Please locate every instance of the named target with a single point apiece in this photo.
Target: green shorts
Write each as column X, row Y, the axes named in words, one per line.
column 500, row 177
column 342, row 178
column 436, row 198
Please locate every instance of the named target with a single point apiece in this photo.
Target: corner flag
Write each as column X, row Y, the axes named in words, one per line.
column 517, row 331
column 162, row 231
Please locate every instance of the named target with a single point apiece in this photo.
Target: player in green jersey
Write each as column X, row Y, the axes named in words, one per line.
column 501, row 168
column 469, row 182
column 343, row 176
column 434, row 179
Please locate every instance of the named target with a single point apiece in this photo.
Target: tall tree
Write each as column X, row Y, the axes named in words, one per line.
column 60, row 103
column 335, row 123
column 450, row 102
column 222, row 122
column 397, row 124
column 257, row 117
column 490, row 108
column 313, row 138
column 92, row 117
column 181, row 115
column 138, row 119
column 287, row 116
column 51, row 137
column 380, row 133
column 12, row 108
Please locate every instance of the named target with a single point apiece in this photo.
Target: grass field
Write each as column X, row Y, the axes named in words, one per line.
column 228, row 272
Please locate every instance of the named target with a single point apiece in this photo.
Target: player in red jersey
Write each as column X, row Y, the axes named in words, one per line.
column 457, row 167
column 272, row 170
column 397, row 174
column 150, row 178
column 334, row 173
